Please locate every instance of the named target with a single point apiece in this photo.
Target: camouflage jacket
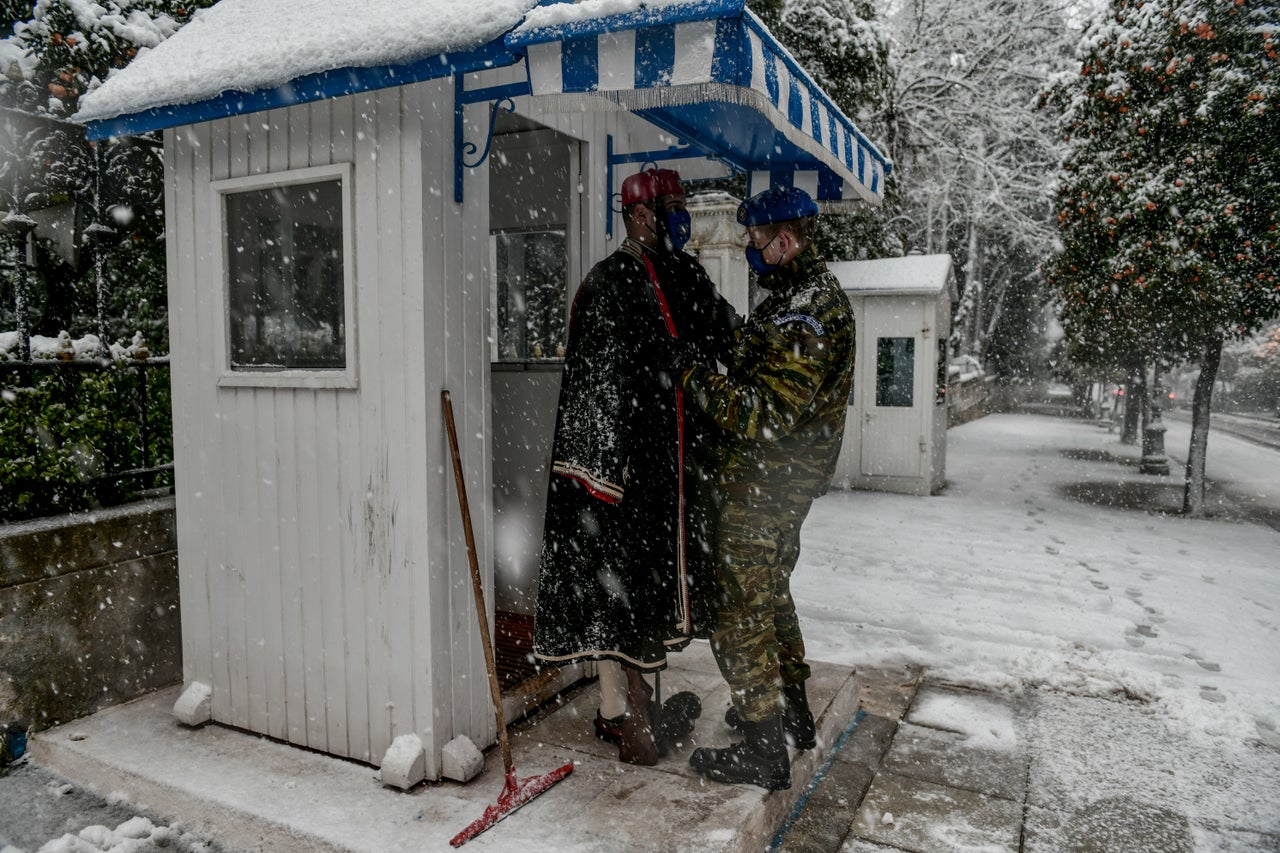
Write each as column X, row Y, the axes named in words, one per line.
column 782, row 403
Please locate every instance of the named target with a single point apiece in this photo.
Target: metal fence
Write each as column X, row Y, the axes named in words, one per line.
column 130, row 411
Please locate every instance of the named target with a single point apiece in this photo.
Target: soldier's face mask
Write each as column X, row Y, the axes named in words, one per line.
column 755, row 257
column 677, row 223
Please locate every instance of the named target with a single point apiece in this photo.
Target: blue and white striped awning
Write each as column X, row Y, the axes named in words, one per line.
column 712, row 74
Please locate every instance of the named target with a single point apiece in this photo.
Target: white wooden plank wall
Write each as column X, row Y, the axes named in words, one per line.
column 319, row 599
column 326, row 596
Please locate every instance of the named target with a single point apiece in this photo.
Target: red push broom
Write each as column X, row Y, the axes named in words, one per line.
column 515, row 792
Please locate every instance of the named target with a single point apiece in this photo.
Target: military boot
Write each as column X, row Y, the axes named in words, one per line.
column 797, row 719
column 759, row 759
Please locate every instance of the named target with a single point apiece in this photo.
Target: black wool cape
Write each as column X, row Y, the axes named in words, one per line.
column 612, row 580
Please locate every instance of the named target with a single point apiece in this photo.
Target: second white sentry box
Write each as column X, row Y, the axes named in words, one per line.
column 896, row 436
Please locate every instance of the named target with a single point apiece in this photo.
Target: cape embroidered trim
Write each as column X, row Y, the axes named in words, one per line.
column 602, row 489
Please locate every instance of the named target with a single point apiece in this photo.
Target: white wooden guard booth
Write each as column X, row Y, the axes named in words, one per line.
column 368, row 209
column 896, row 434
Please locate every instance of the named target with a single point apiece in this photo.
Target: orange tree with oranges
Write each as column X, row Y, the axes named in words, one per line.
column 1168, row 200
column 76, row 45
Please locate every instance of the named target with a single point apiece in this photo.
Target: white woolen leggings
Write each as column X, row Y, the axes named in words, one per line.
column 613, row 689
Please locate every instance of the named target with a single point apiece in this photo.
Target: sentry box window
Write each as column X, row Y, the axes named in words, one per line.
column 286, row 263
column 895, row 371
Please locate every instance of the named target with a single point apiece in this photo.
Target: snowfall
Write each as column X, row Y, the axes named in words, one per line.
column 1043, row 565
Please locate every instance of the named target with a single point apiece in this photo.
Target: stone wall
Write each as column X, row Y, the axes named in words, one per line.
column 88, row 611
column 968, row 399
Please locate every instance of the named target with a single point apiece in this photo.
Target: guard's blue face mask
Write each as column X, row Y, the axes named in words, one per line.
column 755, row 258
column 679, row 228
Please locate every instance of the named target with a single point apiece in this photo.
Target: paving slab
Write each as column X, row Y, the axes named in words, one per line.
column 824, row 822
column 253, row 794
column 1091, row 755
column 887, row 692
column 1107, row 825
column 869, row 743
column 923, row 817
column 821, row 819
column 951, row 758
column 1236, row 841
column 861, row 845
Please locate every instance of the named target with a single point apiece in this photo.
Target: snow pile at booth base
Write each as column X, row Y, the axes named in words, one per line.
column 136, row 835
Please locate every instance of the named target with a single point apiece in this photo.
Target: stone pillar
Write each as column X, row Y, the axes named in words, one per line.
column 717, row 242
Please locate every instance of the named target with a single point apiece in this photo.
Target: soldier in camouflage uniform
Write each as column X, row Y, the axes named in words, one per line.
column 782, row 408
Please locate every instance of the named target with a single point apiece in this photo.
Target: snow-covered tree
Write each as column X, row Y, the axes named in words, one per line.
column 78, row 44
column 71, row 47
column 1169, row 199
column 975, row 159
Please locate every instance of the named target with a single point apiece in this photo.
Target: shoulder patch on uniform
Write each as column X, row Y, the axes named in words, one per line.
column 800, row 318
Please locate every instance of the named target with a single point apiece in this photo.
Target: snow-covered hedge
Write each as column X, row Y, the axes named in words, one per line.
column 63, row 428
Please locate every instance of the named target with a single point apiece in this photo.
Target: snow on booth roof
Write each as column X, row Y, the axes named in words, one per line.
column 909, row 274
column 250, row 45
column 707, row 71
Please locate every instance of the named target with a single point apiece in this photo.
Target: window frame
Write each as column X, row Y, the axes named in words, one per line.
column 345, row 377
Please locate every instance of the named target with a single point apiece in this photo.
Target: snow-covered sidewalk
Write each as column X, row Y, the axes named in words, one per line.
column 1040, row 565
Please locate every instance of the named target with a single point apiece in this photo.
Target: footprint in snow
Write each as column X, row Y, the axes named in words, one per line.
column 1210, row 693
column 1133, row 636
column 1099, row 584
column 1049, row 549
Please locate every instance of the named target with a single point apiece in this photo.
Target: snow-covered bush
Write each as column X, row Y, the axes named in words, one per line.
column 70, row 425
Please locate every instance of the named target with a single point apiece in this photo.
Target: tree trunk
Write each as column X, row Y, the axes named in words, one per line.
column 1193, row 492
column 974, row 286
column 993, row 321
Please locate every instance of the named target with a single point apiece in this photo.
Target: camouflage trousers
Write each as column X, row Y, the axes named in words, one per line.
column 757, row 642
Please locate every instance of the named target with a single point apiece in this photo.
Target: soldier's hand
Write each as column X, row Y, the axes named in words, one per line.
column 677, row 357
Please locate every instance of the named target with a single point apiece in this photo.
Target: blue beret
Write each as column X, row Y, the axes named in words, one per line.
column 776, row 204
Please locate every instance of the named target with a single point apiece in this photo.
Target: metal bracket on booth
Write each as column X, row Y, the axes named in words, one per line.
column 502, row 100
column 673, row 152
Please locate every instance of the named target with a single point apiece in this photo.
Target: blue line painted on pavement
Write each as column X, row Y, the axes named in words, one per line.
column 813, row 784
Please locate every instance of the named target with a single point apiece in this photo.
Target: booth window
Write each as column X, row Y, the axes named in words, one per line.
column 531, row 277
column 533, row 198
column 895, row 369
column 285, row 257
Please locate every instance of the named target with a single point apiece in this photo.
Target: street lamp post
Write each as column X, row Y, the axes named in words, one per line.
column 1154, row 460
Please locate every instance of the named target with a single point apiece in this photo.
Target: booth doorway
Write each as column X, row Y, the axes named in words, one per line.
column 535, row 264
column 891, row 443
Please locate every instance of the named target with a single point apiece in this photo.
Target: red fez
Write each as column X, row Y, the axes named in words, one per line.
column 668, row 182
column 639, row 187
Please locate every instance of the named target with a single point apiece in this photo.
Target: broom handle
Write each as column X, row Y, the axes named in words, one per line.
column 473, row 560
